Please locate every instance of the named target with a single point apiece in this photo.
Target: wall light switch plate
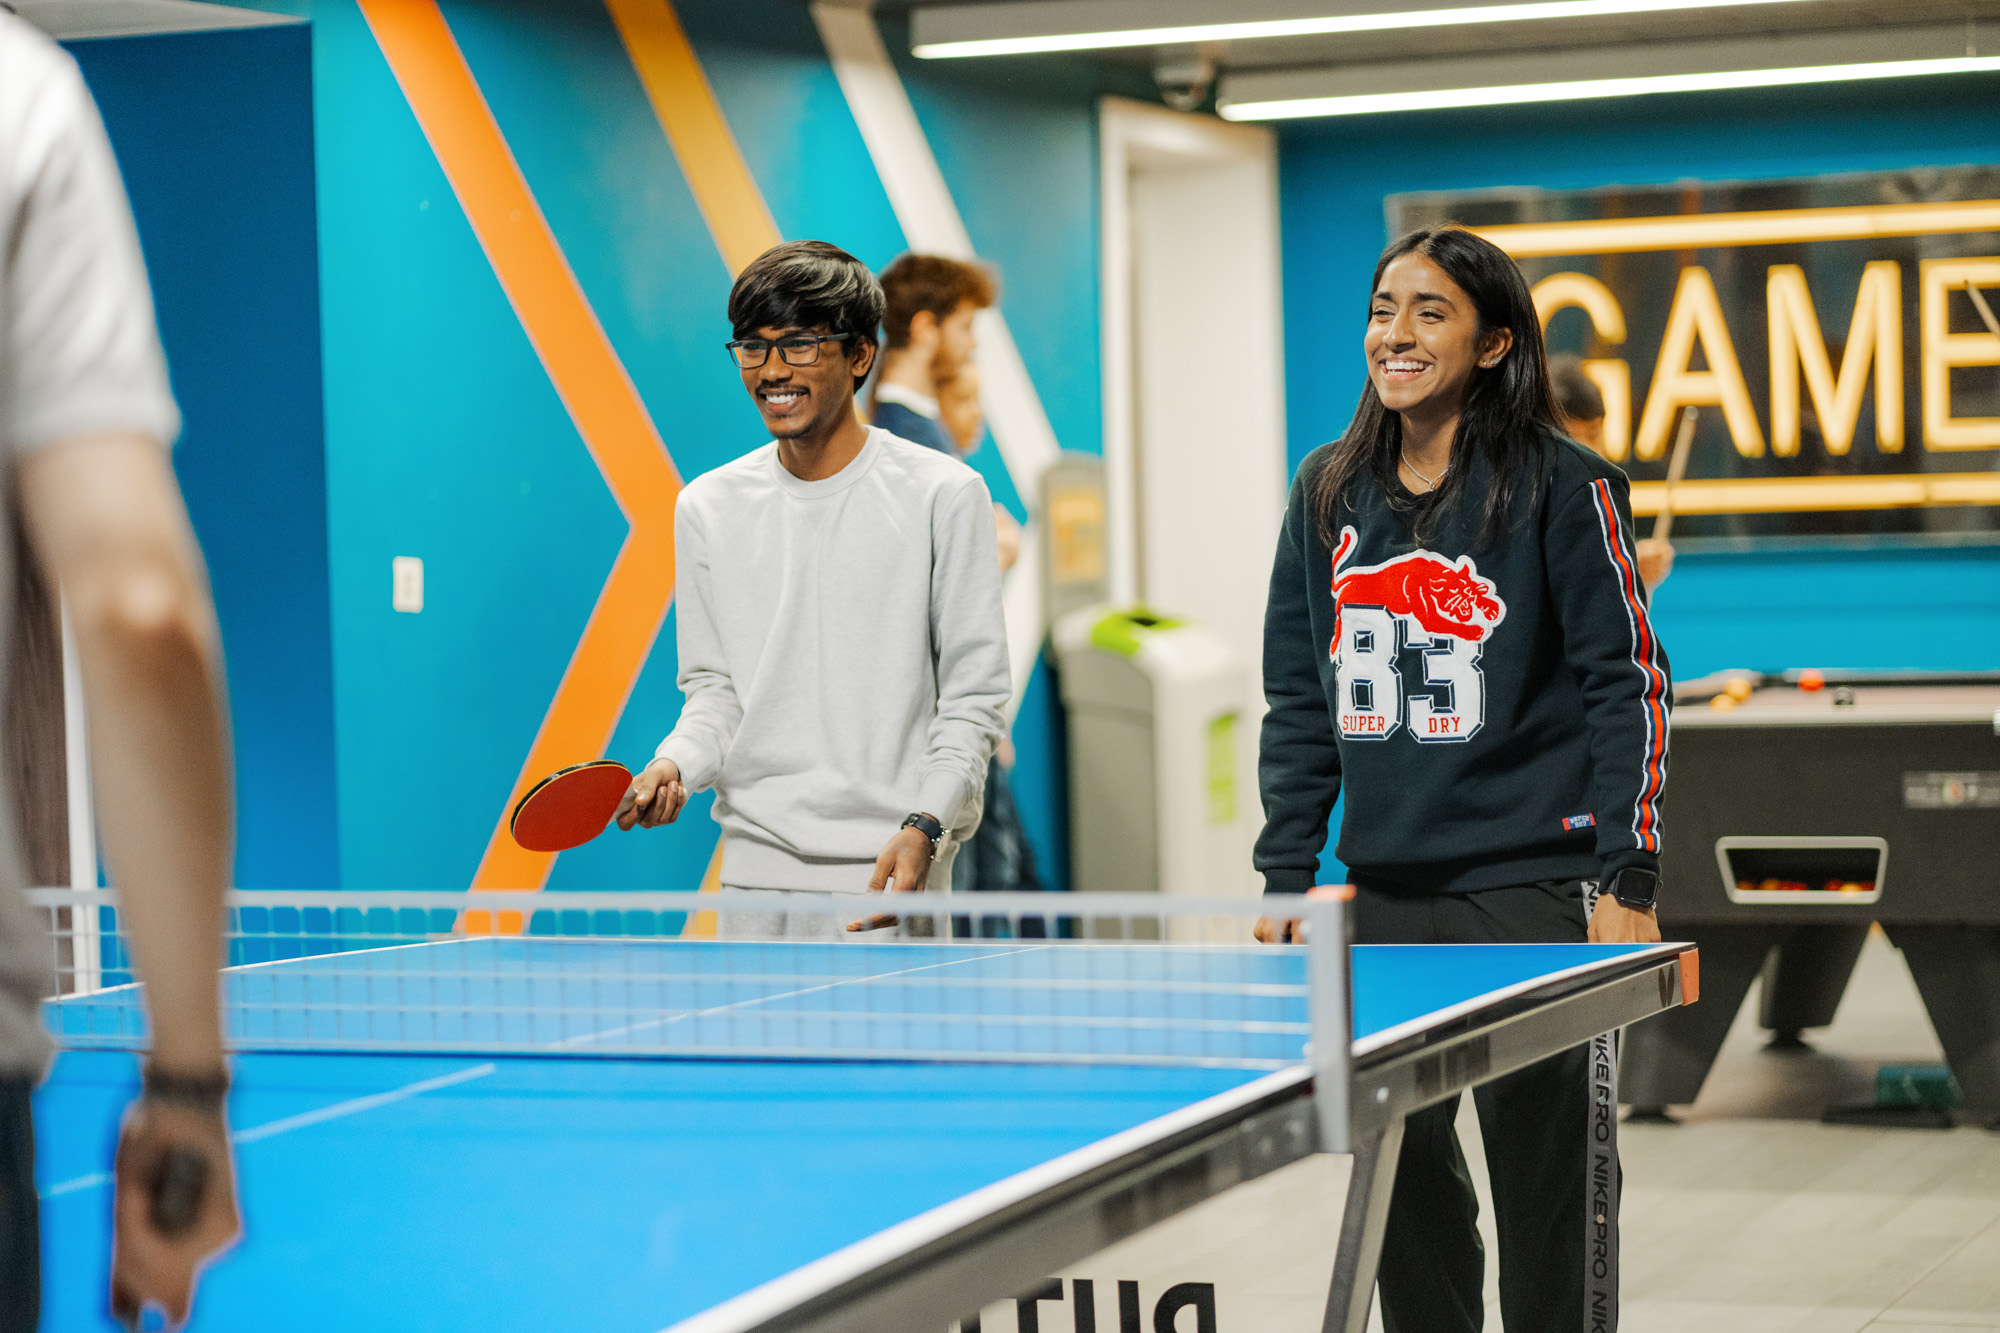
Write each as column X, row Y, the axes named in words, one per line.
column 407, row 583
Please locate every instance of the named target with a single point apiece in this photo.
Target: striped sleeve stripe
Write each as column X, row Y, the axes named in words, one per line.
column 1645, row 656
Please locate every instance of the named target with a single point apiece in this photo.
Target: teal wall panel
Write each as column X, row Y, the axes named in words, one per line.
column 1021, row 162
column 446, row 441
column 1828, row 606
column 214, row 137
column 776, row 89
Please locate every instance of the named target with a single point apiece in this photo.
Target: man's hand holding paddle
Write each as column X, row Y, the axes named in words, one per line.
column 572, row 805
column 656, row 796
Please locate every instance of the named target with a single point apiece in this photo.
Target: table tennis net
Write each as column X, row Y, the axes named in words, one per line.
column 1101, row 978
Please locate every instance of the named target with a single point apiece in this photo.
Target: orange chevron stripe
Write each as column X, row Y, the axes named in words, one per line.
column 703, row 925
column 679, row 90
column 594, row 388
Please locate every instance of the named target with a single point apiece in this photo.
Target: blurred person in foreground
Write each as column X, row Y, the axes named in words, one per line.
column 928, row 393
column 1582, row 408
column 85, row 420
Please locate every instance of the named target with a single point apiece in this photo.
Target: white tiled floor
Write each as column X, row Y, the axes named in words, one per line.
column 1749, row 1215
column 1753, row 1215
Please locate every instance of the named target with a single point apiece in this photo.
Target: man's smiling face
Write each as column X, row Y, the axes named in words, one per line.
column 806, row 402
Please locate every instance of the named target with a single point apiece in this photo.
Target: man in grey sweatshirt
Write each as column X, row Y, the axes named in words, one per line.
column 842, row 648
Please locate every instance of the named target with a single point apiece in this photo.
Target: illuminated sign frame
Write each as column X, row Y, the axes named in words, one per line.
column 1942, row 349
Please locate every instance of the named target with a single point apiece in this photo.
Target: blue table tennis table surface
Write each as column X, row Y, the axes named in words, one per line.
column 417, row 1191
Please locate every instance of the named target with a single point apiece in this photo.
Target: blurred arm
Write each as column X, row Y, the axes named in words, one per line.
column 1656, row 561
column 104, row 515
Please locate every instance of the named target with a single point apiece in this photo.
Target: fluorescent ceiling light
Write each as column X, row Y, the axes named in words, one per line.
column 946, row 33
column 1370, row 103
column 1625, row 71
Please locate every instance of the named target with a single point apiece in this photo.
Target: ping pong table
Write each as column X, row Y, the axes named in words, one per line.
column 642, row 1131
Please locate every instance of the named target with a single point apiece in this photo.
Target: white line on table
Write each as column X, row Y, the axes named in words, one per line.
column 794, row 994
column 305, row 1119
column 359, row 1104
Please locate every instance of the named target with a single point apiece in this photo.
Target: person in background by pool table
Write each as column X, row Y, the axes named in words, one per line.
column 1582, row 408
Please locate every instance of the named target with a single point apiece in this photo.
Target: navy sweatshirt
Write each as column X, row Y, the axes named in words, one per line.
column 1497, row 713
column 915, row 427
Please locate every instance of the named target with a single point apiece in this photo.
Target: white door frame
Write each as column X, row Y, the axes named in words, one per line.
column 1132, row 132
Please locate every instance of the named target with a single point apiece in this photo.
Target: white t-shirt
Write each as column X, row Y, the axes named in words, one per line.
column 79, row 353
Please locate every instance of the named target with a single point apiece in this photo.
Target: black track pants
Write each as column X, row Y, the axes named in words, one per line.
column 20, row 1221
column 1535, row 1123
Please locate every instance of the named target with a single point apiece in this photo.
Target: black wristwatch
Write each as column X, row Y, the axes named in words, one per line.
column 1635, row 888
column 196, row 1092
column 927, row 826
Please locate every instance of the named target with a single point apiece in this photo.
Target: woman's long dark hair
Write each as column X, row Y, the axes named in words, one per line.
column 1510, row 414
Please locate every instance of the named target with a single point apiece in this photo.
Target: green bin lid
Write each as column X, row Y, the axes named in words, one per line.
column 1121, row 632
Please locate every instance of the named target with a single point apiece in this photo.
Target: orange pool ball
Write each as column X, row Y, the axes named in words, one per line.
column 1810, row 679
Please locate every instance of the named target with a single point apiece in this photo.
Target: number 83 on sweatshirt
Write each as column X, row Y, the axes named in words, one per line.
column 1441, row 608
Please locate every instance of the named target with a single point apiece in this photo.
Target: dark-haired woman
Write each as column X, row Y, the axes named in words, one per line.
column 1457, row 639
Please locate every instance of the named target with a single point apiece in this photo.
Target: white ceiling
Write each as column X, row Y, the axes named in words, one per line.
column 70, row 20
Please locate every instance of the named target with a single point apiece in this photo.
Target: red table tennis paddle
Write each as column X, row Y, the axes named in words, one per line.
column 570, row 806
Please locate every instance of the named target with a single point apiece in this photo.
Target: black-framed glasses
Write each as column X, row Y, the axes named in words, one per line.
column 797, row 349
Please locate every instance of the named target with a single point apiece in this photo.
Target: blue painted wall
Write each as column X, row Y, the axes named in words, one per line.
column 214, row 135
column 444, row 438
column 1937, row 608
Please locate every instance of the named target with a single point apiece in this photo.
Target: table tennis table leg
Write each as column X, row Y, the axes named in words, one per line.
column 1362, row 1223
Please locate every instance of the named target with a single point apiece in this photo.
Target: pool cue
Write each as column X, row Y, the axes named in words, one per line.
column 1601, row 1179
column 1663, row 522
column 1985, row 310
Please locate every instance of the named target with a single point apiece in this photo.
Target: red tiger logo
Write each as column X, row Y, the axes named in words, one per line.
column 1440, row 596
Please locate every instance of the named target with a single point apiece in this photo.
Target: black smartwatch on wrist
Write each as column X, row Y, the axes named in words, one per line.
column 927, row 826
column 1635, row 888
